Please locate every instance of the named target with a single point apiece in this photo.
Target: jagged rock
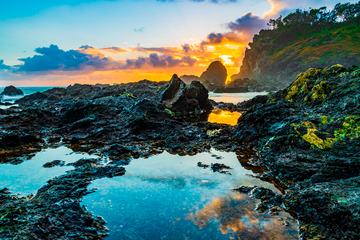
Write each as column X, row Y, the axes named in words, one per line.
column 12, row 91
column 216, row 73
column 186, row 101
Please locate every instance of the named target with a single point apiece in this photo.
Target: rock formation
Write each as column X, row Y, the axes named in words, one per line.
column 11, row 91
column 186, row 101
column 216, row 74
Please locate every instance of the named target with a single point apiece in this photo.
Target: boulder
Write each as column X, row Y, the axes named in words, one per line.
column 216, row 73
column 186, row 101
column 12, row 91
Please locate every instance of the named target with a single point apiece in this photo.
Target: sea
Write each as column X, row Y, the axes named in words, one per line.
column 218, row 97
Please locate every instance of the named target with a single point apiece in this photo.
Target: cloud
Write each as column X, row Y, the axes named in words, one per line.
column 154, row 49
column 222, row 38
column 113, row 49
column 155, row 60
column 3, row 66
column 54, row 60
column 286, row 6
column 135, row 63
column 248, row 23
column 141, row 29
column 186, row 47
column 98, row 51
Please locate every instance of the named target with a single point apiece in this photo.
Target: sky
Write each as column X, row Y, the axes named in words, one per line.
column 62, row 42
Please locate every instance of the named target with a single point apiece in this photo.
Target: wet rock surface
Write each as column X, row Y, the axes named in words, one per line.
column 304, row 139
column 307, row 135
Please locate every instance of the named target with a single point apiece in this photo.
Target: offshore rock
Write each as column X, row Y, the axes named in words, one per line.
column 216, row 74
column 189, row 102
column 12, row 91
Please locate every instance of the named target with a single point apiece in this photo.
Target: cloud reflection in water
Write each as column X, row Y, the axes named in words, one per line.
column 235, row 212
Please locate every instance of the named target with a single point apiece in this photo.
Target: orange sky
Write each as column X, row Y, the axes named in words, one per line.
column 180, row 43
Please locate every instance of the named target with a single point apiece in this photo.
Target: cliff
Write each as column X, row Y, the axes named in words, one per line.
column 304, row 39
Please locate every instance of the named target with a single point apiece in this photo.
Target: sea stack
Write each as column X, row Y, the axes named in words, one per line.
column 216, row 74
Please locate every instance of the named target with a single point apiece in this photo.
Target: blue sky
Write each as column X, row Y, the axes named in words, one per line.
column 139, row 27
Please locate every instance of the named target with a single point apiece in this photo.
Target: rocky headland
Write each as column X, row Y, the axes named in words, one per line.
column 299, row 41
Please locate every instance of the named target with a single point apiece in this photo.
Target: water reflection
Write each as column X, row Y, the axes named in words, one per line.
column 234, row 97
column 26, row 178
column 235, row 213
column 222, row 116
column 155, row 196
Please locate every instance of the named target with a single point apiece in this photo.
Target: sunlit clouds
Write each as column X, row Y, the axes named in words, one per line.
column 167, row 37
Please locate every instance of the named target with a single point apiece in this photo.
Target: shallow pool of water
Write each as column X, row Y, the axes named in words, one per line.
column 226, row 117
column 234, row 97
column 170, row 197
column 26, row 178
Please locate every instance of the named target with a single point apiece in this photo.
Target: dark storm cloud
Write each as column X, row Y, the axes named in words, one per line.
column 3, row 66
column 52, row 58
column 249, row 23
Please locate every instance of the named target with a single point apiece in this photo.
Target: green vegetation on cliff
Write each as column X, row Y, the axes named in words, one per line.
column 302, row 40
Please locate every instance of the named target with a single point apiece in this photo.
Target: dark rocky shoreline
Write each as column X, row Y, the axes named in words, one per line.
column 306, row 135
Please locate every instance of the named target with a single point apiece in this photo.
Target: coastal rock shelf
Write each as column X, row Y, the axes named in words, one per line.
column 304, row 140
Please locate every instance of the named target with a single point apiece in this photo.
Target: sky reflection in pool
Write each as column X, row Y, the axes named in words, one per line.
column 221, row 116
column 169, row 197
column 29, row 176
column 234, row 97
